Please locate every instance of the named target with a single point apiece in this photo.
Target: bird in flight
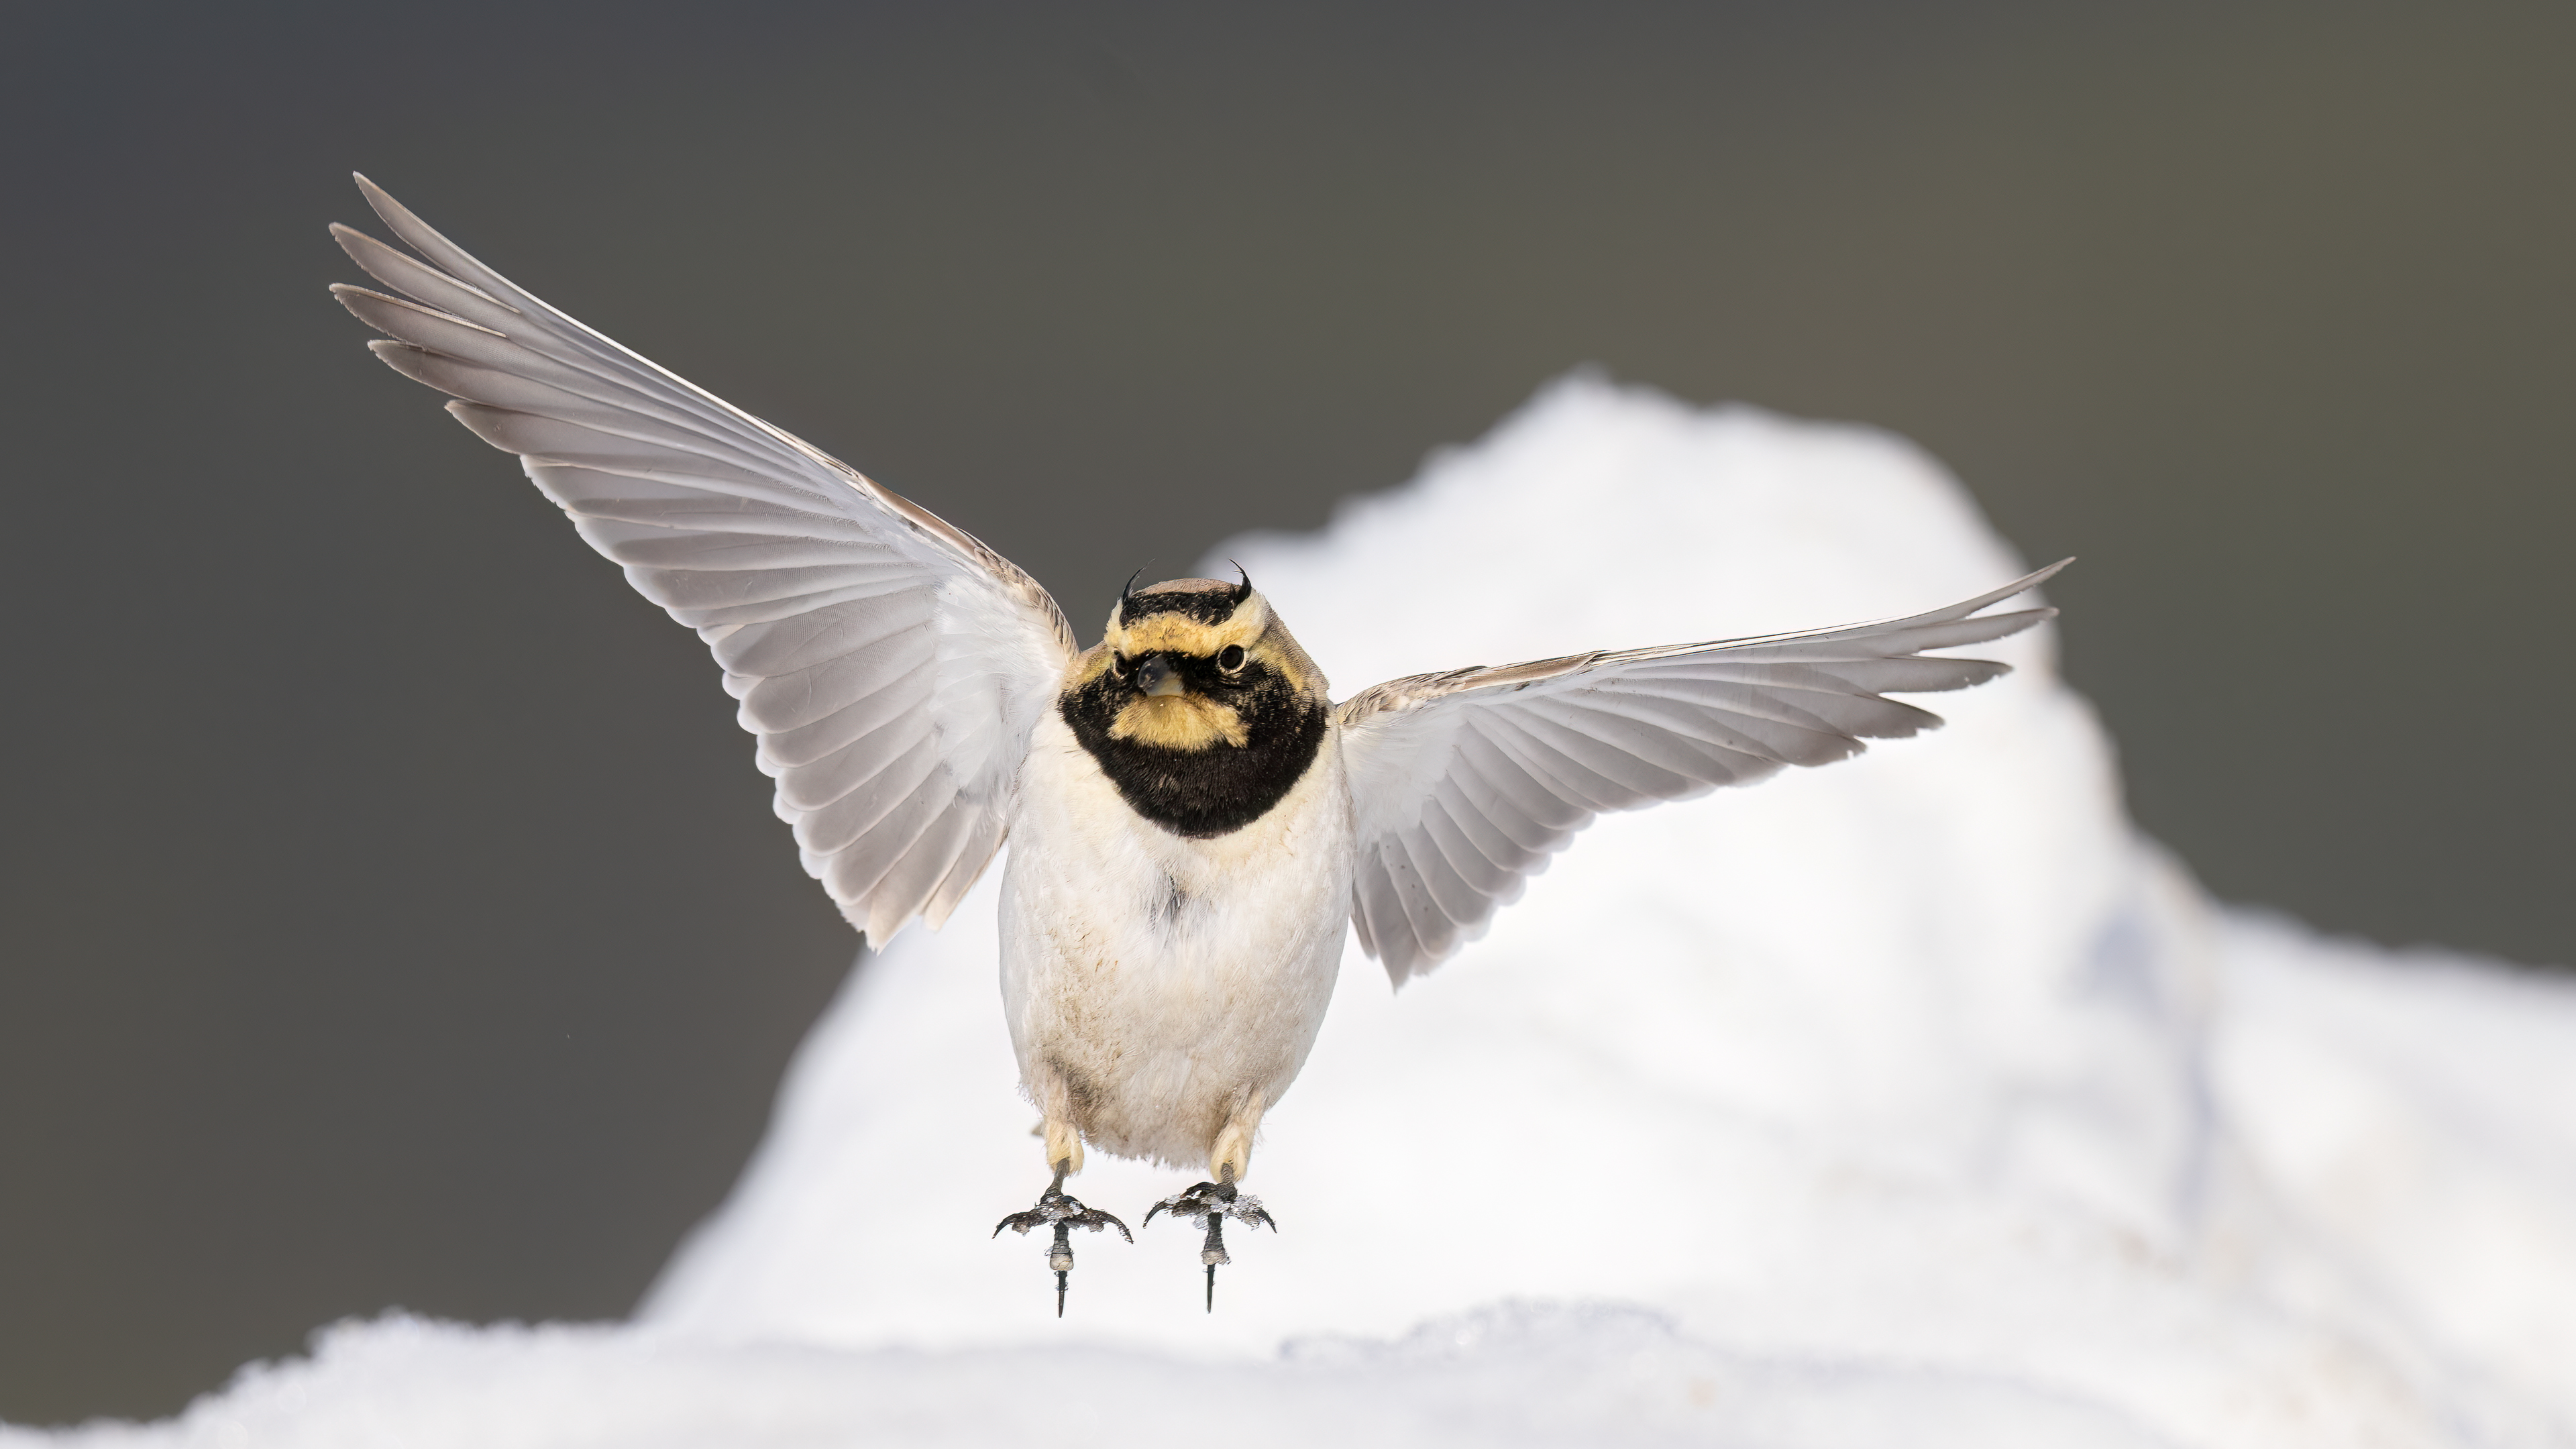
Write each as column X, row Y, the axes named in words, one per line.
column 1193, row 819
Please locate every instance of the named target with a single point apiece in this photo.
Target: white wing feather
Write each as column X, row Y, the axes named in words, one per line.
column 1466, row 782
column 890, row 664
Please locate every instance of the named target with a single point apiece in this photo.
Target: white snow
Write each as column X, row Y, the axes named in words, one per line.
column 1913, row 1101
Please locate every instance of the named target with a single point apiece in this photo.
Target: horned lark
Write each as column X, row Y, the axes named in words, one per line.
column 1195, row 819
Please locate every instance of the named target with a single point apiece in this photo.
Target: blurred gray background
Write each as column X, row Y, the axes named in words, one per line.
column 391, row 913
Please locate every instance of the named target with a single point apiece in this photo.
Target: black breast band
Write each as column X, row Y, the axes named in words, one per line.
column 1207, row 792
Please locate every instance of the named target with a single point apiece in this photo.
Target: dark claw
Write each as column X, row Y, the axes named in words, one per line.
column 1060, row 1210
column 1209, row 1204
column 1057, row 1207
column 1214, row 1199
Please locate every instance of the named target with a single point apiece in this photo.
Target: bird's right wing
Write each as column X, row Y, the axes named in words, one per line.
column 1464, row 783
column 890, row 664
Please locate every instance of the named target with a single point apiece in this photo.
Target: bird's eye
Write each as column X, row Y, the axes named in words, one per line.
column 1230, row 658
column 1118, row 666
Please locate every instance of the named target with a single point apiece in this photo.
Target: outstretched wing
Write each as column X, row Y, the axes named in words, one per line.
column 890, row 664
column 1466, row 782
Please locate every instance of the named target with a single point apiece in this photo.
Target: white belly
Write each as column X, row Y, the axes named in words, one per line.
column 1160, row 983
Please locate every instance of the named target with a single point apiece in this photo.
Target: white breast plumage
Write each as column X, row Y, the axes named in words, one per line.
column 1163, row 991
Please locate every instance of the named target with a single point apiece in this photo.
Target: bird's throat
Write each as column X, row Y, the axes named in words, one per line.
column 1179, row 722
column 1193, row 765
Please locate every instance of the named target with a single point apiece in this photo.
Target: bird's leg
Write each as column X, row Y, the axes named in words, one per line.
column 1211, row 1203
column 1064, row 1213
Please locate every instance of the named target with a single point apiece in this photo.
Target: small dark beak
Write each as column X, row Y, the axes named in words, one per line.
column 1157, row 676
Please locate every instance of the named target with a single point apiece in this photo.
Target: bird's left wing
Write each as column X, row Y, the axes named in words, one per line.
column 1465, row 782
column 890, row 664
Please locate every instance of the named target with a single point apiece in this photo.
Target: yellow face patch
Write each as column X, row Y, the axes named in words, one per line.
column 1179, row 722
column 1181, row 634
column 1251, row 627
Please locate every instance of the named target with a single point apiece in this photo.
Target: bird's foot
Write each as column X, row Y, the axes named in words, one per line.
column 1064, row 1213
column 1211, row 1203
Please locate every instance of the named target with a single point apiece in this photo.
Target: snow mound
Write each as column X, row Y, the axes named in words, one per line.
column 1509, row 1375
column 1915, row 1100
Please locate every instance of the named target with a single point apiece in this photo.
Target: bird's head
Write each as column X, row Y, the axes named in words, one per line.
column 1196, row 664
